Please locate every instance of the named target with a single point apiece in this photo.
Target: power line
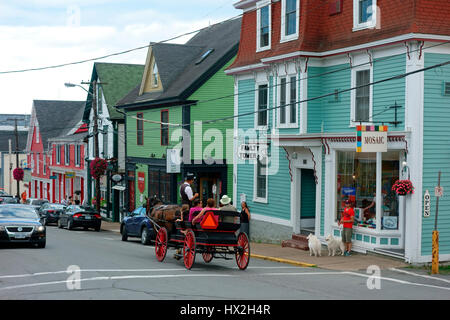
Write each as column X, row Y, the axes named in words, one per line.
column 400, row 76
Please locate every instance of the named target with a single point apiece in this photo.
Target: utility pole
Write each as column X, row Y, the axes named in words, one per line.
column 17, row 154
column 96, row 147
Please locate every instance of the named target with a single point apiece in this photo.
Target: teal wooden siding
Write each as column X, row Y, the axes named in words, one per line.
column 278, row 202
column 332, row 114
column 436, row 152
column 388, row 93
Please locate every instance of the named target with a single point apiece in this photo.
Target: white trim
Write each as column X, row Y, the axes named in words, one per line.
column 260, row 5
column 258, row 127
column 255, row 184
column 294, row 36
column 260, row 217
column 354, row 123
column 287, row 124
column 235, row 140
column 364, row 25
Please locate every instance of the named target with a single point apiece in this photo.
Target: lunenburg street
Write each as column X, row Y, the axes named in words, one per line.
column 223, row 157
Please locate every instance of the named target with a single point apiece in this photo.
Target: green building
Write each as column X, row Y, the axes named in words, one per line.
column 171, row 126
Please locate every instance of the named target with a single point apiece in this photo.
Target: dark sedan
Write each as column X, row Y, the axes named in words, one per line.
column 5, row 200
column 50, row 212
column 19, row 223
column 77, row 216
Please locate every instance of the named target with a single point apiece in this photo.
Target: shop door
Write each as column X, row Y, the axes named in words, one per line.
column 131, row 195
column 307, row 200
column 209, row 188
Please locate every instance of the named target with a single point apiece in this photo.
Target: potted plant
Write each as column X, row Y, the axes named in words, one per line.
column 403, row 187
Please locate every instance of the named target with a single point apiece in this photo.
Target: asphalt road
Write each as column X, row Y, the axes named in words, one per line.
column 113, row 269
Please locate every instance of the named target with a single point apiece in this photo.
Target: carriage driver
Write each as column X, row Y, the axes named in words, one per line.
column 186, row 192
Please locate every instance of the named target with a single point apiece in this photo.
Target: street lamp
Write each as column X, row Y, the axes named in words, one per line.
column 96, row 150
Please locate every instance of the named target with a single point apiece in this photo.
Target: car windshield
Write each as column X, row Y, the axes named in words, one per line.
column 17, row 212
column 39, row 202
column 56, row 206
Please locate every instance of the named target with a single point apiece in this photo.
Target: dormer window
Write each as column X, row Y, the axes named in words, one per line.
column 364, row 14
column 155, row 75
column 290, row 15
column 263, row 26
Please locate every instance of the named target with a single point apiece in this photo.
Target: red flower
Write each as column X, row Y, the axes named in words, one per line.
column 98, row 167
column 18, row 174
column 403, row 187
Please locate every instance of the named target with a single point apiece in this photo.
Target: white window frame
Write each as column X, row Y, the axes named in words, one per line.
column 255, row 183
column 287, row 124
column 37, row 134
column 294, row 36
column 354, row 123
column 257, row 126
column 155, row 75
column 44, row 162
column 67, row 154
column 77, row 155
column 37, row 162
column 364, row 25
column 58, row 154
column 259, row 6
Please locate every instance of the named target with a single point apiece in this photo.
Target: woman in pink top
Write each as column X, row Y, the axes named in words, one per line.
column 196, row 208
column 210, row 205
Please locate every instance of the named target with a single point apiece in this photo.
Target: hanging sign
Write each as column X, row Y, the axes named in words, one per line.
column 253, row 151
column 173, row 161
column 141, row 182
column 371, row 138
column 69, row 175
column 438, row 191
column 426, row 204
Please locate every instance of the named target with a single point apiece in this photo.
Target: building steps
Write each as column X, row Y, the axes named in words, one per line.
column 298, row 241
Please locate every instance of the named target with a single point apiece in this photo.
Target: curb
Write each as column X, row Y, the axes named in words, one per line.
column 293, row 262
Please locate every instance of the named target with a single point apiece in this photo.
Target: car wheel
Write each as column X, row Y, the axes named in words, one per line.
column 145, row 237
column 59, row 224
column 123, row 232
column 97, row 228
column 69, row 225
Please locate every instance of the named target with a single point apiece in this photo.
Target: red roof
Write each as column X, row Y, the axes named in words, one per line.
column 321, row 32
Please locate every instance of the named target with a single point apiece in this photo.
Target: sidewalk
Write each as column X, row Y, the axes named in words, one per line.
column 301, row 258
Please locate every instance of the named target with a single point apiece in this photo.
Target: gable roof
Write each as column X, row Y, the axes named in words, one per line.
column 6, row 135
column 120, row 78
column 54, row 117
column 182, row 78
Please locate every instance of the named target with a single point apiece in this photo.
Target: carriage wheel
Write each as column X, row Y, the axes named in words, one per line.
column 208, row 255
column 243, row 251
column 189, row 249
column 161, row 244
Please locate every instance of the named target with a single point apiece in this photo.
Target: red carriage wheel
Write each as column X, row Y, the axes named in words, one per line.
column 189, row 249
column 161, row 244
column 243, row 251
column 208, row 256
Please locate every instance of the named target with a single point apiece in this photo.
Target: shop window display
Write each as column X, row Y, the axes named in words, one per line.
column 356, row 181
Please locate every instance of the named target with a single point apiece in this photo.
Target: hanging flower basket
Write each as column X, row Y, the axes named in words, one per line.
column 403, row 187
column 18, row 174
column 98, row 167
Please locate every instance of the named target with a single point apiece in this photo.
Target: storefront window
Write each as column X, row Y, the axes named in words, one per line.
column 356, row 181
column 391, row 164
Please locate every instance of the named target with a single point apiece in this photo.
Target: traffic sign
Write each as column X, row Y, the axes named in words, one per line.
column 438, row 191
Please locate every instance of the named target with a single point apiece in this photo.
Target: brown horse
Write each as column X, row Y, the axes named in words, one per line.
column 163, row 215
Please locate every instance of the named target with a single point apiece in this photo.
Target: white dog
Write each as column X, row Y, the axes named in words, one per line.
column 334, row 243
column 314, row 245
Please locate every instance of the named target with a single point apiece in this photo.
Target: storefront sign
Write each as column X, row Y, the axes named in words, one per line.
column 348, row 191
column 426, row 204
column 141, row 182
column 26, row 175
column 173, row 159
column 371, row 138
column 54, row 177
column 69, row 175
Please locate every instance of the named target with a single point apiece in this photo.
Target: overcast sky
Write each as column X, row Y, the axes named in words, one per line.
column 38, row 33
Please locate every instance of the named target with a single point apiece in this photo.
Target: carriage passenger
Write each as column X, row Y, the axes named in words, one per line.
column 210, row 205
column 196, row 207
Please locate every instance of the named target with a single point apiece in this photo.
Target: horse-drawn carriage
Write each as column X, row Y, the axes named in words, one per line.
column 216, row 236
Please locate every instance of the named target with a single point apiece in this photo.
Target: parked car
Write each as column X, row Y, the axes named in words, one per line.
column 137, row 224
column 50, row 212
column 8, row 199
column 36, row 203
column 75, row 216
column 19, row 223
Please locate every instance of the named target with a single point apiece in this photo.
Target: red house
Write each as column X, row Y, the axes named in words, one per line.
column 55, row 150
